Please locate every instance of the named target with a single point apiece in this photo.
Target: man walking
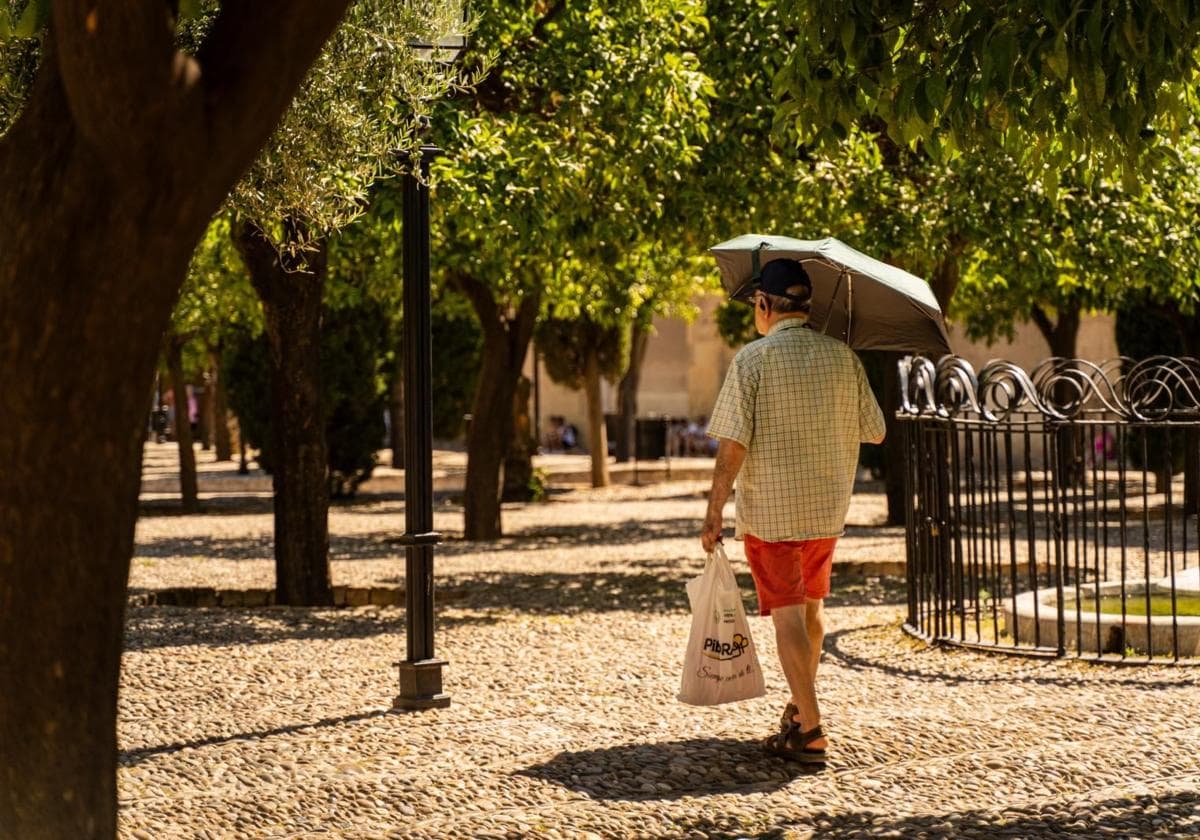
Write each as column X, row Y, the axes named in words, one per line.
column 789, row 419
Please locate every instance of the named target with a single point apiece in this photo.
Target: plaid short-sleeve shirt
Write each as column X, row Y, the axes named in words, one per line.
column 800, row 403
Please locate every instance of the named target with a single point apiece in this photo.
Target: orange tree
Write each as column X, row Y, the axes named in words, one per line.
column 558, row 163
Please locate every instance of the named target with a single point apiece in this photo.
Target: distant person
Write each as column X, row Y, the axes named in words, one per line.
column 553, row 439
column 570, row 436
column 789, row 420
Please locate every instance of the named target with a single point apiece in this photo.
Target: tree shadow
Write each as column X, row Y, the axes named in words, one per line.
column 1046, row 672
column 147, row 628
column 341, row 548
column 574, row 593
column 381, row 545
column 628, row 532
column 226, row 504
column 129, row 758
column 1173, row 815
column 669, row 770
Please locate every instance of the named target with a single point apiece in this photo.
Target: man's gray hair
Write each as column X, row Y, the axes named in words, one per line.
column 785, row 305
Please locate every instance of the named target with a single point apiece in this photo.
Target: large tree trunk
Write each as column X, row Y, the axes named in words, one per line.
column 506, row 337
column 627, row 392
column 222, row 440
column 597, row 433
column 292, row 290
column 122, row 153
column 183, row 426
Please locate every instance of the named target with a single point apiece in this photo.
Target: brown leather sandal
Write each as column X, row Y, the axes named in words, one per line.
column 792, row 744
column 786, row 719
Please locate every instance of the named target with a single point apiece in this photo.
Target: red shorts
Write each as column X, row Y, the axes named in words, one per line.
column 789, row 572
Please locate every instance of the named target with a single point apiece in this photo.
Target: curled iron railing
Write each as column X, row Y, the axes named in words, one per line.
column 1054, row 511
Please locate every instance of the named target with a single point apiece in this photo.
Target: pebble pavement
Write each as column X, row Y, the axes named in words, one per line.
column 564, row 643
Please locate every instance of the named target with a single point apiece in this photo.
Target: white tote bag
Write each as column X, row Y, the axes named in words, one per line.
column 721, row 664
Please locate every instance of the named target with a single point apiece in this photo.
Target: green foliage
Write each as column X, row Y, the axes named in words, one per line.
column 353, row 119
column 353, row 349
column 216, row 297
column 18, row 63
column 735, row 323
column 567, row 344
column 1089, row 246
column 539, row 485
column 559, row 166
column 1049, row 82
column 246, row 372
column 457, row 345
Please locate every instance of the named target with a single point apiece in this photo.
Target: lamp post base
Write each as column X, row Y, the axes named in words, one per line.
column 421, row 685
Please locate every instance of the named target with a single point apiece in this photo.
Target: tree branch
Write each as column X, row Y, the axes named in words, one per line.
column 118, row 65
column 480, row 297
column 253, row 61
column 521, row 331
column 1043, row 322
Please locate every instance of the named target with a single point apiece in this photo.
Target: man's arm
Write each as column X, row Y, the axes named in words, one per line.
column 730, row 455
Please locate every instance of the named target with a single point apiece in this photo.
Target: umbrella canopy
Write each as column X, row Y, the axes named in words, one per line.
column 866, row 303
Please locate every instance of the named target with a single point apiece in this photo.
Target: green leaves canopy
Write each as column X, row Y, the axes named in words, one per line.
column 561, row 161
column 354, row 119
column 1046, row 81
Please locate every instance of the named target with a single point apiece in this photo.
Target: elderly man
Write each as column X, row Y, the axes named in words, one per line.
column 789, row 419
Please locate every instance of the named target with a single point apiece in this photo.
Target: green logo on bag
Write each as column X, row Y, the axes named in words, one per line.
column 716, row 649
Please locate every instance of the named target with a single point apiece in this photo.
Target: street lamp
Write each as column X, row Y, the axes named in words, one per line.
column 421, row 672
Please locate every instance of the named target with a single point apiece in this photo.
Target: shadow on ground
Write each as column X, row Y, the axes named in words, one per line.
column 130, row 757
column 929, row 664
column 382, row 545
column 155, row 627
column 605, row 591
column 462, row 600
column 1166, row 815
column 669, row 770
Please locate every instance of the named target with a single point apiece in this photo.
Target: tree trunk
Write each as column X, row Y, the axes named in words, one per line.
column 1061, row 335
column 204, row 414
column 506, row 337
column 518, row 461
column 597, row 433
column 121, row 154
column 947, row 273
column 291, row 291
column 222, row 440
column 396, row 413
column 183, row 427
column 627, row 392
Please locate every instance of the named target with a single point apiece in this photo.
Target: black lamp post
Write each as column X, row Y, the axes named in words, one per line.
column 421, row 671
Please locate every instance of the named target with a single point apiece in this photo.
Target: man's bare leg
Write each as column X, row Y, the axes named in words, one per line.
column 814, row 617
column 799, row 659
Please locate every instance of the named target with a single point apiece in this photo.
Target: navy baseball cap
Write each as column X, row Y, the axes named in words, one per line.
column 780, row 275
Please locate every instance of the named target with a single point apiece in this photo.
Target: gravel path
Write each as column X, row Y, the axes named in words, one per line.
column 565, row 643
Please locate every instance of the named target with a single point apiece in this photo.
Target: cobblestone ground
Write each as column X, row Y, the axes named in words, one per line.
column 564, row 643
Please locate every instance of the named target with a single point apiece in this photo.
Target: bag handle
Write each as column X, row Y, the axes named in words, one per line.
column 718, row 560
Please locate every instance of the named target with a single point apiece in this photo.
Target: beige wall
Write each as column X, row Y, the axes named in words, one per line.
column 686, row 363
column 1096, row 341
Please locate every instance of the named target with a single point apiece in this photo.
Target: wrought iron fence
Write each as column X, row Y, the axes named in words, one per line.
column 1054, row 512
